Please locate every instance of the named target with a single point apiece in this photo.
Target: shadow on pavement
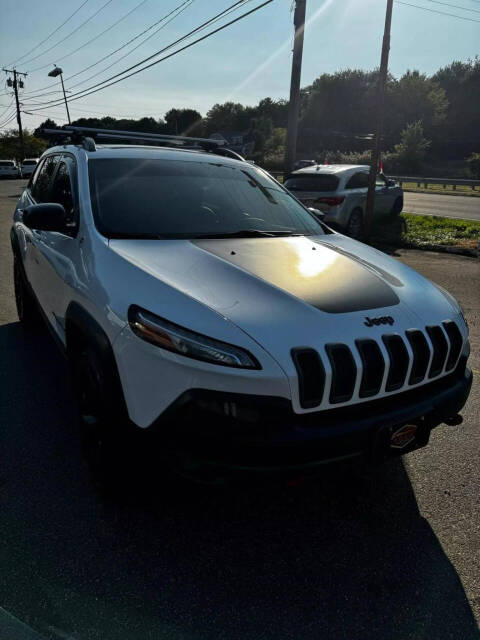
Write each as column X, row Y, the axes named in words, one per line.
column 345, row 556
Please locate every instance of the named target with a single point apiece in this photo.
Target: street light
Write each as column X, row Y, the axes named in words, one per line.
column 53, row 74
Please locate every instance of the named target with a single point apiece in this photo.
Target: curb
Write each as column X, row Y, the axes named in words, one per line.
column 439, row 248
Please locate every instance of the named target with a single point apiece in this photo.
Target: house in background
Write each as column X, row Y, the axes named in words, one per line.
column 240, row 141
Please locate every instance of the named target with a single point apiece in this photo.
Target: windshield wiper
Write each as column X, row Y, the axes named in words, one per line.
column 248, row 233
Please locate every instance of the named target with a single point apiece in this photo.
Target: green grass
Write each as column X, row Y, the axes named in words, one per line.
column 421, row 231
column 461, row 190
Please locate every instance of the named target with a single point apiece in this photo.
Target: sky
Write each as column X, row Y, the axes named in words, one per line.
column 243, row 63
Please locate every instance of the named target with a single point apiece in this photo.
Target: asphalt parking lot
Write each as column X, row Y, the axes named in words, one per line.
column 391, row 553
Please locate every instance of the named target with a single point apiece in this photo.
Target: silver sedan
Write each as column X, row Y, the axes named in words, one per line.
column 340, row 192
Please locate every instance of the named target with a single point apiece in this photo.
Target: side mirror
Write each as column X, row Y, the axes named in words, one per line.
column 49, row 216
column 317, row 213
column 391, row 183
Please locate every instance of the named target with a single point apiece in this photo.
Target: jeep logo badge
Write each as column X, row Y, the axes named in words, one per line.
column 371, row 322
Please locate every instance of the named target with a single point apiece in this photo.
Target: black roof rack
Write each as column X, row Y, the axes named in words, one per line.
column 87, row 136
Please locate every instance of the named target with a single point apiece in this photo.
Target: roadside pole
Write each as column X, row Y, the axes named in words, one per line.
column 19, row 117
column 382, row 79
column 294, row 104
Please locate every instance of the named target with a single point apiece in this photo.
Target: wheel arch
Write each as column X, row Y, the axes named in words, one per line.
column 81, row 329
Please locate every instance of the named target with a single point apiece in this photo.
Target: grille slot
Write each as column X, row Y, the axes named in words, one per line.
column 373, row 367
column 440, row 348
column 311, row 377
column 399, row 361
column 421, row 355
column 344, row 372
column 456, row 342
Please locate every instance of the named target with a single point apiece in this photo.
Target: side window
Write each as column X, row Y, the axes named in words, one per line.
column 62, row 191
column 358, row 181
column 40, row 190
column 35, row 175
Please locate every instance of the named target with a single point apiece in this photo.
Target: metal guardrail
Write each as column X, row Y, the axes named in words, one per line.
column 454, row 182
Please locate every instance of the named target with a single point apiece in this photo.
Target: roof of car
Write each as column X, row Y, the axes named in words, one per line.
column 144, row 151
column 331, row 168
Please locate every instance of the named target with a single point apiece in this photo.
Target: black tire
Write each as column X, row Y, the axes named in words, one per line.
column 355, row 225
column 397, row 208
column 26, row 306
column 105, row 431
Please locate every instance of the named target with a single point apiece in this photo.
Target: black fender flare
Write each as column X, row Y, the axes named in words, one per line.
column 80, row 324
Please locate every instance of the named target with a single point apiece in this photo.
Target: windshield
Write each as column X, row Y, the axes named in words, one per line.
column 318, row 182
column 191, row 199
column 28, row 162
column 6, row 164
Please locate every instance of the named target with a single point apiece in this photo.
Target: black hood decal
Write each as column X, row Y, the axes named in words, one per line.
column 327, row 279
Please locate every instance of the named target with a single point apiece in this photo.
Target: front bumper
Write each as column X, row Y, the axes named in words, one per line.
column 240, row 432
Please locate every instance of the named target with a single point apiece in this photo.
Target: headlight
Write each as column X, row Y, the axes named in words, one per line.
column 172, row 337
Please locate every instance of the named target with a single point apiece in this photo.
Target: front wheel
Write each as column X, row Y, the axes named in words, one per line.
column 26, row 307
column 104, row 425
column 355, row 225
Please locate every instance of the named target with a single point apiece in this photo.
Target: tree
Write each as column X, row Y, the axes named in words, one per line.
column 461, row 83
column 187, row 122
column 473, row 163
column 229, row 116
column 411, row 150
column 10, row 144
column 47, row 124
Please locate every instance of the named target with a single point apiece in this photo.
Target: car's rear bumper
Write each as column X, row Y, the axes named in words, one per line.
column 239, row 432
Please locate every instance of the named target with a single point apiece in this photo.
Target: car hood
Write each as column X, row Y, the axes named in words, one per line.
column 293, row 290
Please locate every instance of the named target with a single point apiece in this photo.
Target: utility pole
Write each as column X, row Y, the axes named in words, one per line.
column 294, row 104
column 19, row 117
column 382, row 80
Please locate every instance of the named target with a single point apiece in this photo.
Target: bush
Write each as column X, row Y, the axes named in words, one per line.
column 473, row 163
column 411, row 151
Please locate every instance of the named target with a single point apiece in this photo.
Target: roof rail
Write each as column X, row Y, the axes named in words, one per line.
column 86, row 136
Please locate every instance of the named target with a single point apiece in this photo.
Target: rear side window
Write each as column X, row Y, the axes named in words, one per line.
column 319, row 182
column 358, row 181
column 40, row 188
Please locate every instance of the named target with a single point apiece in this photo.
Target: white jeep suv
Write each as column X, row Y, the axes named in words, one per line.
column 198, row 300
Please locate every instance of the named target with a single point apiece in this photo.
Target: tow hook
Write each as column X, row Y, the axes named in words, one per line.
column 454, row 420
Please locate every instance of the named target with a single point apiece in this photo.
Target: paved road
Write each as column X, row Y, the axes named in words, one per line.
column 466, row 207
column 393, row 553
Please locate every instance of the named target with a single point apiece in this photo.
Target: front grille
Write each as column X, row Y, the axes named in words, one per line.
column 421, row 355
column 399, row 361
column 456, row 342
column 344, row 372
column 311, row 376
column 440, row 349
column 373, row 367
column 425, row 359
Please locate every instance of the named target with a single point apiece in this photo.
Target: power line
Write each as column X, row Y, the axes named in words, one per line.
column 70, row 34
column 49, row 36
column 4, row 124
column 119, row 49
column 1, row 114
column 180, row 8
column 93, row 88
column 142, row 2
column 442, row 13
column 454, row 6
